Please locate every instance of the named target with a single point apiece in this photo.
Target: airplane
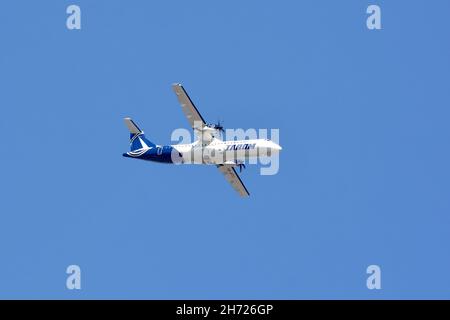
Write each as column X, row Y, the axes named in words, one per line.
column 208, row 149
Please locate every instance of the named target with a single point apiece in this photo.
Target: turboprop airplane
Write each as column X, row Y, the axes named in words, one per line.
column 208, row 149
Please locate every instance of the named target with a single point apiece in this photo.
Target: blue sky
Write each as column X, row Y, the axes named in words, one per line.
column 364, row 172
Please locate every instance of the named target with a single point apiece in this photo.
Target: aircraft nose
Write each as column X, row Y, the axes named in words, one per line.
column 276, row 146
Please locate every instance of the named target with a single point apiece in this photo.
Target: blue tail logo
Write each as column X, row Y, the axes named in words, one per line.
column 138, row 141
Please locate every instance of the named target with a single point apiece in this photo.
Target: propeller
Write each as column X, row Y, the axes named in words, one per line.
column 218, row 126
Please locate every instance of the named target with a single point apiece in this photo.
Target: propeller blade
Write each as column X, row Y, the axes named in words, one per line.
column 241, row 165
column 219, row 126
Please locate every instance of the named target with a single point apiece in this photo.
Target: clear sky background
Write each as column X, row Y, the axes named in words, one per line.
column 364, row 172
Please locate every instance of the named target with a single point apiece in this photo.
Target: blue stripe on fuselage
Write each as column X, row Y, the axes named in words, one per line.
column 157, row 154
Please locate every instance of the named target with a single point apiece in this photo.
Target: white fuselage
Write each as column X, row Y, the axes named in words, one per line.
column 225, row 152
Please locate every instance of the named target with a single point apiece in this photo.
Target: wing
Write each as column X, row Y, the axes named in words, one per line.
column 233, row 178
column 194, row 117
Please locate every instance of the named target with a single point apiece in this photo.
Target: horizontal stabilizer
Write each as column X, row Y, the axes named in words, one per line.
column 133, row 127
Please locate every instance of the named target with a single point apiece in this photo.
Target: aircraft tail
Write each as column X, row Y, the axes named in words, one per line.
column 137, row 137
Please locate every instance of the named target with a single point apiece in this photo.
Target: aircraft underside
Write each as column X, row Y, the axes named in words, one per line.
column 215, row 157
